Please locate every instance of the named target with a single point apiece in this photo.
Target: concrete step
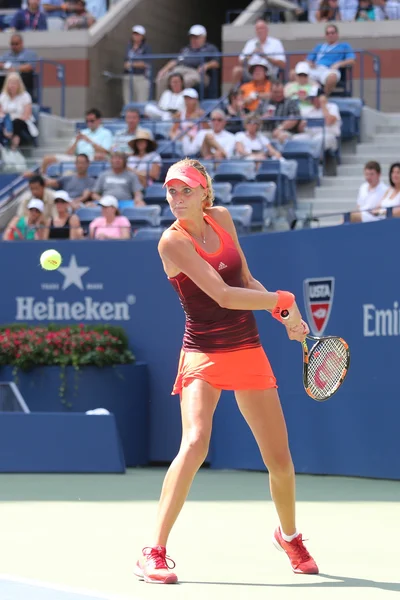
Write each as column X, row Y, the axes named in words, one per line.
column 346, row 182
column 380, row 148
column 332, row 194
column 388, row 129
column 356, row 170
column 364, row 155
column 387, row 139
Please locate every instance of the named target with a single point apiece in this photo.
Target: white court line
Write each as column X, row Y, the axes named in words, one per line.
column 58, row 588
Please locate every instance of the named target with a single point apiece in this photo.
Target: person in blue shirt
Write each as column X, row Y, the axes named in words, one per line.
column 326, row 59
column 30, row 18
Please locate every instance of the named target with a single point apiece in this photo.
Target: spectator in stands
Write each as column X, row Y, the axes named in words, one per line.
column 123, row 136
column 279, row 107
column 187, row 126
column 97, row 8
column 79, row 185
column 263, row 46
column 65, row 225
column 16, row 111
column 57, row 8
column 322, row 109
column 217, row 143
column 95, row 141
column 21, row 60
column 145, row 162
column 299, row 90
column 119, row 182
column 30, row 18
column 111, row 225
column 79, row 18
column 38, row 190
column 328, row 10
column 327, row 59
column 386, row 10
column 29, row 226
column 390, row 198
column 371, row 192
column 365, row 11
column 171, row 101
column 197, row 60
column 259, row 88
column 251, row 144
column 234, row 112
column 136, row 81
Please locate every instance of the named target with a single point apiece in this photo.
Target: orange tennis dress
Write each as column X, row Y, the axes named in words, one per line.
column 220, row 345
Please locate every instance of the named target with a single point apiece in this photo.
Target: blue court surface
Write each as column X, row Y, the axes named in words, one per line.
column 19, row 589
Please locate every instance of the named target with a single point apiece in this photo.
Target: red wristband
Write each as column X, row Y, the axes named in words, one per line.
column 285, row 302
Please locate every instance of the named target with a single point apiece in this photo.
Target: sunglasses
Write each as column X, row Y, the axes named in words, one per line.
column 90, row 120
column 217, row 119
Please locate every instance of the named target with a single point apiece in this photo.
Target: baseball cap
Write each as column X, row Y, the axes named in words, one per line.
column 315, row 92
column 186, row 174
column 62, row 195
column 257, row 61
column 139, row 29
column 197, row 30
column 108, row 201
column 302, row 68
column 36, row 203
column 190, row 93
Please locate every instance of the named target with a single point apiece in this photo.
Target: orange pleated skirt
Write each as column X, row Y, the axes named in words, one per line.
column 247, row 369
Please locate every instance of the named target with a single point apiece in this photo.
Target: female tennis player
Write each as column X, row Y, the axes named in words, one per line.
column 221, row 350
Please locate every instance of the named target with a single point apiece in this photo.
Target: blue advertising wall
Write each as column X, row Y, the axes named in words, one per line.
column 354, row 433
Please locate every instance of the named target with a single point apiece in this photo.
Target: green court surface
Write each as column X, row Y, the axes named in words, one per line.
column 76, row 537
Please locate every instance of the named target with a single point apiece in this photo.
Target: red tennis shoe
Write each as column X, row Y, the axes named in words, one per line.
column 154, row 567
column 299, row 557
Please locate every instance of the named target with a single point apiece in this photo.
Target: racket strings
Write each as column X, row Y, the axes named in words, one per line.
column 326, row 366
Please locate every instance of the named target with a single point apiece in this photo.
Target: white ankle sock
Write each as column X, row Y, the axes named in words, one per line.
column 289, row 538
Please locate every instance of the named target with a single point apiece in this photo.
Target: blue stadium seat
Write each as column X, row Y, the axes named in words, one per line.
column 95, row 168
column 307, row 161
column 167, row 218
column 209, row 165
column 86, row 215
column 350, row 112
column 275, row 170
column 125, row 204
column 67, row 167
column 222, row 192
column 115, row 125
column 260, row 196
column 143, row 215
column 166, row 164
column 136, row 106
column 235, row 171
column 155, row 194
column 170, row 149
column 148, row 233
column 242, row 216
column 210, row 105
column 54, row 170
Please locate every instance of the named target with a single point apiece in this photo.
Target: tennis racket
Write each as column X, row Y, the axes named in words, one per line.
column 325, row 366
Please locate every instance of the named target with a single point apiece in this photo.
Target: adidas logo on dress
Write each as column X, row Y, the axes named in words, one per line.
column 222, row 266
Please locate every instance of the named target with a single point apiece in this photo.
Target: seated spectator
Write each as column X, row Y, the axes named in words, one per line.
column 262, row 46
column 95, row 141
column 299, row 90
column 111, row 225
column 65, row 226
column 21, row 60
column 195, row 62
column 145, row 162
column 38, row 190
column 327, row 59
column 123, row 136
column 234, row 112
column 30, row 18
column 322, row 109
column 251, row 144
column 328, row 10
column 281, row 108
column 119, row 182
column 58, row 8
column 171, row 101
column 136, row 81
column 216, row 143
column 78, row 185
column 30, row 226
column 390, row 198
column 365, row 11
column 16, row 111
column 371, row 192
column 259, row 88
column 386, row 10
column 97, row 8
column 187, row 124
column 79, row 18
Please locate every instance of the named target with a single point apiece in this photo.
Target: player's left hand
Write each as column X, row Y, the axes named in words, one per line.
column 298, row 333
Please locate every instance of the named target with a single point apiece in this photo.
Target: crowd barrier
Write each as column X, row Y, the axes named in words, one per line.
column 345, row 285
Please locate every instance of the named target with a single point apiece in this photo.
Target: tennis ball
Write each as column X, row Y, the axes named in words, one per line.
column 50, row 260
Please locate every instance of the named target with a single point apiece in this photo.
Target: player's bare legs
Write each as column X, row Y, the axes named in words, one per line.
column 263, row 413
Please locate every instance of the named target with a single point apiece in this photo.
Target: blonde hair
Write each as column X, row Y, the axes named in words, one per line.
column 191, row 162
column 9, row 78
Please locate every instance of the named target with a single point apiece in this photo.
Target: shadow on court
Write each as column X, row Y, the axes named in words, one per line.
column 139, row 485
column 336, row 582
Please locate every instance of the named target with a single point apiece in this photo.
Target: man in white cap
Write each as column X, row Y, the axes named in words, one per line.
column 195, row 61
column 302, row 86
column 328, row 135
column 136, row 81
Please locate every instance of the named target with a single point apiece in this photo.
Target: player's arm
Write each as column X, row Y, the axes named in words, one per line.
column 179, row 251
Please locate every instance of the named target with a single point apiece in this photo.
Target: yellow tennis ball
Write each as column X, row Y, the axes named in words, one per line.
column 50, row 260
